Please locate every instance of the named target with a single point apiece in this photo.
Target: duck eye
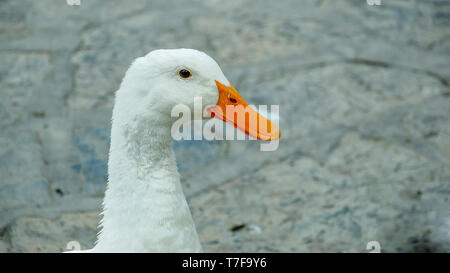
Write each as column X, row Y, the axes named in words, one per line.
column 184, row 73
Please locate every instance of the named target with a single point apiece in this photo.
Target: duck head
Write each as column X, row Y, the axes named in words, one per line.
column 165, row 78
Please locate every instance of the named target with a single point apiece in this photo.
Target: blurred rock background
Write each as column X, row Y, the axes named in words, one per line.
column 364, row 101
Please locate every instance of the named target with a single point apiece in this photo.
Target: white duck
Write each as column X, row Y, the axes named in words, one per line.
column 144, row 206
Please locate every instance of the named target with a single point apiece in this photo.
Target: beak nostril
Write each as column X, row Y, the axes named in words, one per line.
column 233, row 100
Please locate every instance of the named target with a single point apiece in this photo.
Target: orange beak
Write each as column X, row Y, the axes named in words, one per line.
column 233, row 109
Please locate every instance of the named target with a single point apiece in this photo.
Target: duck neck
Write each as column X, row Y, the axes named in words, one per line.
column 145, row 209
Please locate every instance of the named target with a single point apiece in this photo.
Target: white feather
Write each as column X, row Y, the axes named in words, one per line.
column 144, row 208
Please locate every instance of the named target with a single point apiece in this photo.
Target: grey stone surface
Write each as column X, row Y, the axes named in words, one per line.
column 364, row 101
